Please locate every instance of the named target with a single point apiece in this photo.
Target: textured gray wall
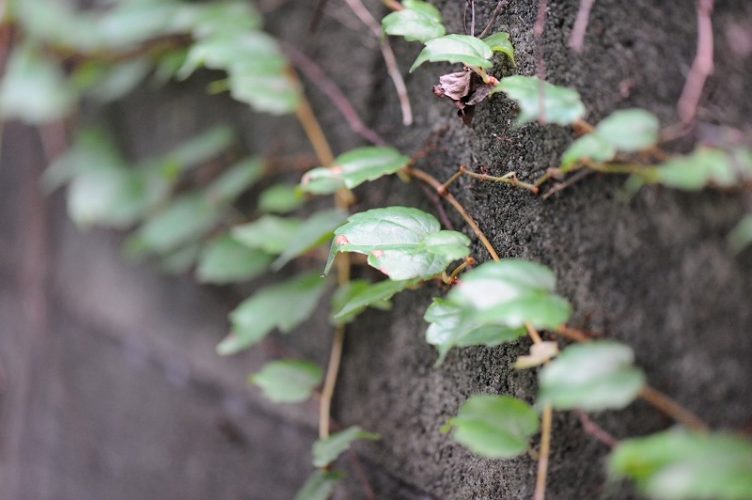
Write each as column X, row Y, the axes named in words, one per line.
column 110, row 387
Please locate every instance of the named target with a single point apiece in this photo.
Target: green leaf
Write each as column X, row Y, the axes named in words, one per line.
column 511, row 293
column 219, row 17
column 592, row 376
column 280, row 199
column 561, row 105
column 447, row 329
column 464, row 49
column 283, row 306
column 270, row 91
column 629, row 130
column 186, row 219
column 353, row 169
column 225, row 260
column 326, row 451
column 588, row 147
column 675, row 465
column 319, row 486
column 418, row 22
column 204, row 146
column 34, row 89
column 109, row 196
column 499, row 42
column 108, row 83
column 236, row 180
column 741, row 236
column 313, row 232
column 288, row 381
column 269, row 233
column 181, row 260
column 705, row 166
column 355, row 298
column 495, row 426
column 403, row 243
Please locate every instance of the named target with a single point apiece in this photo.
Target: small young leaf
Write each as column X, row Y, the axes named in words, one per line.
column 403, row 243
column 288, row 381
column 313, row 232
column 319, row 486
column 677, row 465
column 362, row 294
column 326, row 451
column 495, row 426
column 418, row 22
column 235, row 180
column 283, row 306
column 280, row 199
column 225, row 260
column 353, row 168
column 592, row 376
column 539, row 354
column 499, row 42
column 588, row 147
column 741, row 236
column 629, row 130
column 464, row 49
column 561, row 105
column 704, row 167
column 269, row 233
column 511, row 293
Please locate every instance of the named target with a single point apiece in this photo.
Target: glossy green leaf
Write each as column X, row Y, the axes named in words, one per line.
column 269, row 233
column 403, row 243
column 353, row 168
column 629, row 130
column 593, row 376
column 362, row 294
column 319, row 486
column 418, row 22
column 280, row 199
column 499, row 42
column 225, row 260
column 283, row 306
column 495, row 426
column 705, row 166
column 511, row 293
column 186, row 219
column 315, row 231
column 464, row 49
column 447, row 329
column 741, row 236
column 235, row 180
column 680, row 465
column 34, row 89
column 326, row 451
column 588, row 147
column 288, row 381
column 561, row 105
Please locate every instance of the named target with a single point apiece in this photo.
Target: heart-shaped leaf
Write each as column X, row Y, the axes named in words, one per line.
column 225, row 260
column 499, row 42
column 464, row 49
column 418, row 22
column 560, row 105
column 495, row 426
column 326, row 450
column 288, row 381
column 353, row 168
column 403, row 243
column 283, row 306
column 592, row 376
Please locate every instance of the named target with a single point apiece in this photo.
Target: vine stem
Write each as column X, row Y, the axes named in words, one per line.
column 313, row 131
column 508, row 178
column 434, row 183
column 669, row 407
column 545, row 447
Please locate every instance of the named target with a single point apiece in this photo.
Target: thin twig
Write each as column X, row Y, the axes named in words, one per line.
column 596, row 430
column 702, row 66
column 443, row 217
column 545, row 449
column 499, row 7
column 313, row 131
column 317, row 76
column 508, row 178
column 668, row 406
column 393, row 5
column 365, row 16
column 434, row 183
column 332, row 370
column 472, row 17
column 573, row 334
column 563, row 185
column 577, row 38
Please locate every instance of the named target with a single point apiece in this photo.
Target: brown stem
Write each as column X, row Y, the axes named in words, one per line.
column 573, row 334
column 332, row 370
column 545, row 448
column 433, row 182
column 509, row 179
column 577, row 39
column 444, row 187
column 393, row 5
column 313, row 131
column 596, row 430
column 499, row 7
column 669, row 407
column 702, row 66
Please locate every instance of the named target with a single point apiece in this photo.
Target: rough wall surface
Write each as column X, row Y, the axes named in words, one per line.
column 110, row 386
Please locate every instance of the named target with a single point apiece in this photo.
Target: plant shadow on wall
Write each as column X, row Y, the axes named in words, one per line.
column 61, row 57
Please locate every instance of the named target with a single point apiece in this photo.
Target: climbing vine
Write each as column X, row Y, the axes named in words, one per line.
column 61, row 56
